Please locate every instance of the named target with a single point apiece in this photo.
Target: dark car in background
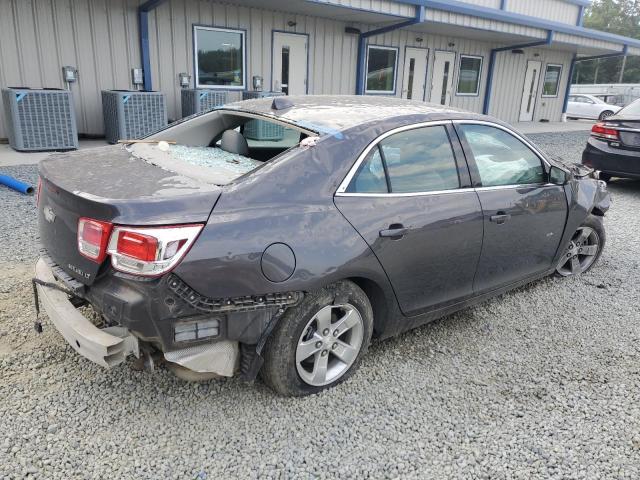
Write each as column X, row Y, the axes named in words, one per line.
column 359, row 217
column 614, row 145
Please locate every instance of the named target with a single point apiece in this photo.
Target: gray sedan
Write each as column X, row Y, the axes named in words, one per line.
column 279, row 236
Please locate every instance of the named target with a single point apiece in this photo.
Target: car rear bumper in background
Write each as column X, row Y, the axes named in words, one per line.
column 615, row 161
column 106, row 347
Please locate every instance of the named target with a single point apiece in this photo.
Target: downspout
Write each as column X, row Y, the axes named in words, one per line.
column 567, row 90
column 575, row 59
column 143, row 24
column 492, row 64
column 580, row 16
column 362, row 44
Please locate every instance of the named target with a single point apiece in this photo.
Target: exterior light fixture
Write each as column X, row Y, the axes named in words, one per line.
column 419, row 39
column 291, row 23
column 185, row 79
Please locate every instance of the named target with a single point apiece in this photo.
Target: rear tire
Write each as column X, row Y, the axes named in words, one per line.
column 584, row 249
column 605, row 114
column 320, row 342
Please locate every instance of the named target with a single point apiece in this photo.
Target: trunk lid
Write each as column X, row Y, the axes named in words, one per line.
column 118, row 184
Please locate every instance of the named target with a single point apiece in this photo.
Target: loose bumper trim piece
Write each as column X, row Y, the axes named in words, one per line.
column 235, row 304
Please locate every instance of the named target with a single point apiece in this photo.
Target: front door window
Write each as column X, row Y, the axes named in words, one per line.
column 501, row 158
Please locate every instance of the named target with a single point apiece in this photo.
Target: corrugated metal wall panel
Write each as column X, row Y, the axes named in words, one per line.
column 634, row 51
column 380, row 6
column 587, row 42
column 406, row 38
column 327, row 73
column 442, row 16
column 508, row 84
column 99, row 37
column 556, row 10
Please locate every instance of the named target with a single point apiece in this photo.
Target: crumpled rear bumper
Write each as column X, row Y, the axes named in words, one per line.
column 106, row 347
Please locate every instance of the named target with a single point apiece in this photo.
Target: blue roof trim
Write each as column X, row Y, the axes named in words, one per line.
column 583, row 3
column 455, row 6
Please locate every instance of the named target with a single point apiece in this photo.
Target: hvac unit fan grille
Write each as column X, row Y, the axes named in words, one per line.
column 200, row 100
column 259, row 129
column 132, row 115
column 40, row 119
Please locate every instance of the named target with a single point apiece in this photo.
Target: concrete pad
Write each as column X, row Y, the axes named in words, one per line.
column 9, row 157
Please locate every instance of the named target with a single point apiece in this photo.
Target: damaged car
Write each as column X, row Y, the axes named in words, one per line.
column 277, row 237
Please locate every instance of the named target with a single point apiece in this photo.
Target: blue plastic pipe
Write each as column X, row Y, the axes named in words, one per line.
column 16, row 184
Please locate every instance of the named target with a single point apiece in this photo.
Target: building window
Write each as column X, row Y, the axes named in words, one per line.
column 469, row 75
column 382, row 64
column 551, row 80
column 219, row 58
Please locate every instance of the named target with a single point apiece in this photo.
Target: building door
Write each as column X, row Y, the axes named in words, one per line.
column 530, row 91
column 415, row 73
column 290, row 63
column 442, row 79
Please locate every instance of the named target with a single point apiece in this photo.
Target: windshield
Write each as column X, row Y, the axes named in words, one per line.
column 631, row 110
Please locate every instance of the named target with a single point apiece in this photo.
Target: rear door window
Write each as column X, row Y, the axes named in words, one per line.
column 420, row 160
column 501, row 158
column 370, row 177
column 415, row 161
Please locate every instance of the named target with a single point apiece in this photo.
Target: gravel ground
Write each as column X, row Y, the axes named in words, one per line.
column 539, row 383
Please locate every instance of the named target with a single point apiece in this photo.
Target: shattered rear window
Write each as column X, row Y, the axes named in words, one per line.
column 214, row 157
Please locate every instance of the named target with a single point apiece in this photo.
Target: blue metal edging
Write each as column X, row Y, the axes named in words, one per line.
column 580, row 16
column 492, row 62
column 362, row 45
column 567, row 90
column 456, row 6
column 143, row 22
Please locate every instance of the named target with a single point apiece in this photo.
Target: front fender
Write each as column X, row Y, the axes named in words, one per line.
column 585, row 195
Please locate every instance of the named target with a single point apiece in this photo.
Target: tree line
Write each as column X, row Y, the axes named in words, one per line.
column 621, row 17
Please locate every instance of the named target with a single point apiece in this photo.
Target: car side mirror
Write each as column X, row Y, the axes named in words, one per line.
column 558, row 176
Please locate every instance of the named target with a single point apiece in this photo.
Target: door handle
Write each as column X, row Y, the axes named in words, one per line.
column 395, row 230
column 500, row 217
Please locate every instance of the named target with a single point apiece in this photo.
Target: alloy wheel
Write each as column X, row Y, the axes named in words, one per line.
column 581, row 252
column 606, row 114
column 329, row 344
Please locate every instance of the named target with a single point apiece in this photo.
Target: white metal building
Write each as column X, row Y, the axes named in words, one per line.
column 508, row 58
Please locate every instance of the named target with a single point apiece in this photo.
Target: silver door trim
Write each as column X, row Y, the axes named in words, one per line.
column 408, row 194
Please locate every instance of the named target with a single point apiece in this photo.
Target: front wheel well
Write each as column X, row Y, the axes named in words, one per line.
column 377, row 299
column 597, row 212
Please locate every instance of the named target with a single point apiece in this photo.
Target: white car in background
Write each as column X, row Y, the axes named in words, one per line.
column 588, row 106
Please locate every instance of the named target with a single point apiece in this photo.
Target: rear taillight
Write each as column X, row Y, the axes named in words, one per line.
column 602, row 131
column 136, row 245
column 150, row 251
column 93, row 237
